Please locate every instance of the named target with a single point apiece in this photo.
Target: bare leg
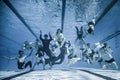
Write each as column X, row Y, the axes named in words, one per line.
column 34, row 65
column 115, row 65
column 43, row 61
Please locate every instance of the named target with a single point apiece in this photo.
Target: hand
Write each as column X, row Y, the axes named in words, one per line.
column 40, row 32
column 5, row 57
column 49, row 33
column 31, row 48
column 69, row 43
column 81, row 26
column 75, row 26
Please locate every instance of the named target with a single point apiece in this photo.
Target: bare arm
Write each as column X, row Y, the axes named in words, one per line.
column 41, row 36
column 50, row 36
column 13, row 58
column 30, row 53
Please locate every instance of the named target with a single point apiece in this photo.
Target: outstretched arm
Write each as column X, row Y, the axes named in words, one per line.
column 30, row 53
column 5, row 57
column 50, row 36
column 41, row 35
column 81, row 30
column 77, row 29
